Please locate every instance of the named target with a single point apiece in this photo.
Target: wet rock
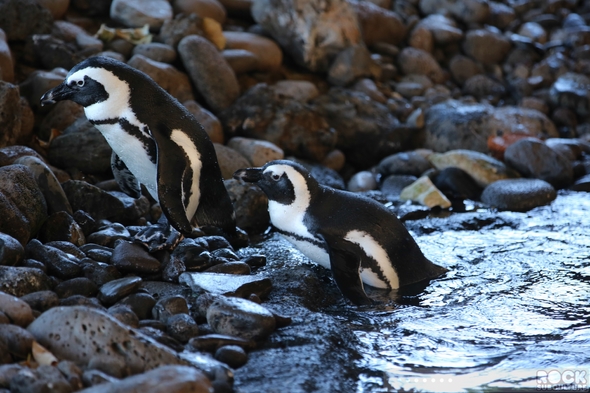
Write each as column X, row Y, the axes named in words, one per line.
column 10, row 117
column 125, row 315
column 230, row 268
column 166, row 76
column 352, row 63
column 76, row 286
column 501, row 15
column 227, row 284
column 482, row 86
column 362, row 181
column 7, row 371
column 208, row 120
column 114, row 290
column 417, row 61
column 463, row 68
column 169, row 306
column 137, row 13
column 425, row 192
column 61, row 226
column 17, row 340
column 41, row 301
column 312, row 32
column 140, row 303
column 300, row 90
column 100, row 204
column 456, row 184
column 240, row 317
column 250, row 206
column 367, row 130
column 444, row 30
column 212, row 342
column 482, row 168
column 471, row 11
column 256, row 151
column 79, row 300
column 48, row 183
column 510, row 120
column 100, row 274
column 6, row 60
column 570, row 90
column 455, row 125
column 293, row 126
column 22, row 205
column 182, row 327
column 182, row 25
column 134, row 258
column 11, row 251
column 486, row 46
column 535, row 159
column 58, row 263
column 393, row 185
column 412, row 163
column 518, row 194
column 209, row 71
column 41, row 379
column 379, row 24
column 96, row 377
column 164, row 379
column 81, row 146
column 14, row 12
column 17, row 310
column 232, row 355
column 230, row 160
column 268, row 54
column 72, row 372
column 156, row 51
column 107, row 235
column 19, row 281
column 98, row 336
column 582, row 184
column 205, row 8
column 369, row 87
column 99, row 253
column 240, row 60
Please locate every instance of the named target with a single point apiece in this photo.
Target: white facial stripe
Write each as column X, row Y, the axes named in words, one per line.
column 289, row 218
column 185, row 143
column 117, row 105
column 375, row 251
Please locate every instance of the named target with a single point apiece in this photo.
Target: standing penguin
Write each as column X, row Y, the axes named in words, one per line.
column 356, row 237
column 155, row 142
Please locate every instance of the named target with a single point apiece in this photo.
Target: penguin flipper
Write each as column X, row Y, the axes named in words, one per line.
column 127, row 182
column 173, row 177
column 345, row 264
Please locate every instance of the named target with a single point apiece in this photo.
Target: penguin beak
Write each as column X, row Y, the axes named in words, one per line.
column 250, row 175
column 58, row 93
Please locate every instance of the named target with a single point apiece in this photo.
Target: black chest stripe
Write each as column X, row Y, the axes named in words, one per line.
column 316, row 242
column 112, row 120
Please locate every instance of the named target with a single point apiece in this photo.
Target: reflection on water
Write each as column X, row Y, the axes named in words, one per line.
column 515, row 303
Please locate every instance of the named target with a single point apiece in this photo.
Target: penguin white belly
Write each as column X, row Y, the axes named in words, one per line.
column 378, row 254
column 134, row 155
column 310, row 250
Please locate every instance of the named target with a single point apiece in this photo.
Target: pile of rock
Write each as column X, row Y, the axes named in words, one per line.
column 434, row 101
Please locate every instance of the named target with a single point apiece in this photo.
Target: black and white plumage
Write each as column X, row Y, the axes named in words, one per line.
column 155, row 142
column 356, row 237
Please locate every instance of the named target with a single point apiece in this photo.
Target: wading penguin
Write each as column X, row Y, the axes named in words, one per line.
column 356, row 237
column 155, row 142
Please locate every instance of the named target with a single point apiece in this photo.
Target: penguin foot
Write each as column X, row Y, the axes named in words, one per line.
column 159, row 236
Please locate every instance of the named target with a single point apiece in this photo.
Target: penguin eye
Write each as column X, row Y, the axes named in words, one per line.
column 275, row 176
column 80, row 82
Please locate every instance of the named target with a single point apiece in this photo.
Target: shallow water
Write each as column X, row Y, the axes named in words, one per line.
column 515, row 304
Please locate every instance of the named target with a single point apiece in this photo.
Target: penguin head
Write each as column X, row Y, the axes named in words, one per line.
column 90, row 82
column 285, row 182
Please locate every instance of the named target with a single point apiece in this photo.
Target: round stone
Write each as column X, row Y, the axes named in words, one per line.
column 518, row 194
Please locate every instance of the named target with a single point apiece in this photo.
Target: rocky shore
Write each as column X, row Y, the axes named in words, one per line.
column 424, row 105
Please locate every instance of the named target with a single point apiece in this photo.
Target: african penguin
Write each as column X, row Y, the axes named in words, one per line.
column 356, row 237
column 155, row 142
